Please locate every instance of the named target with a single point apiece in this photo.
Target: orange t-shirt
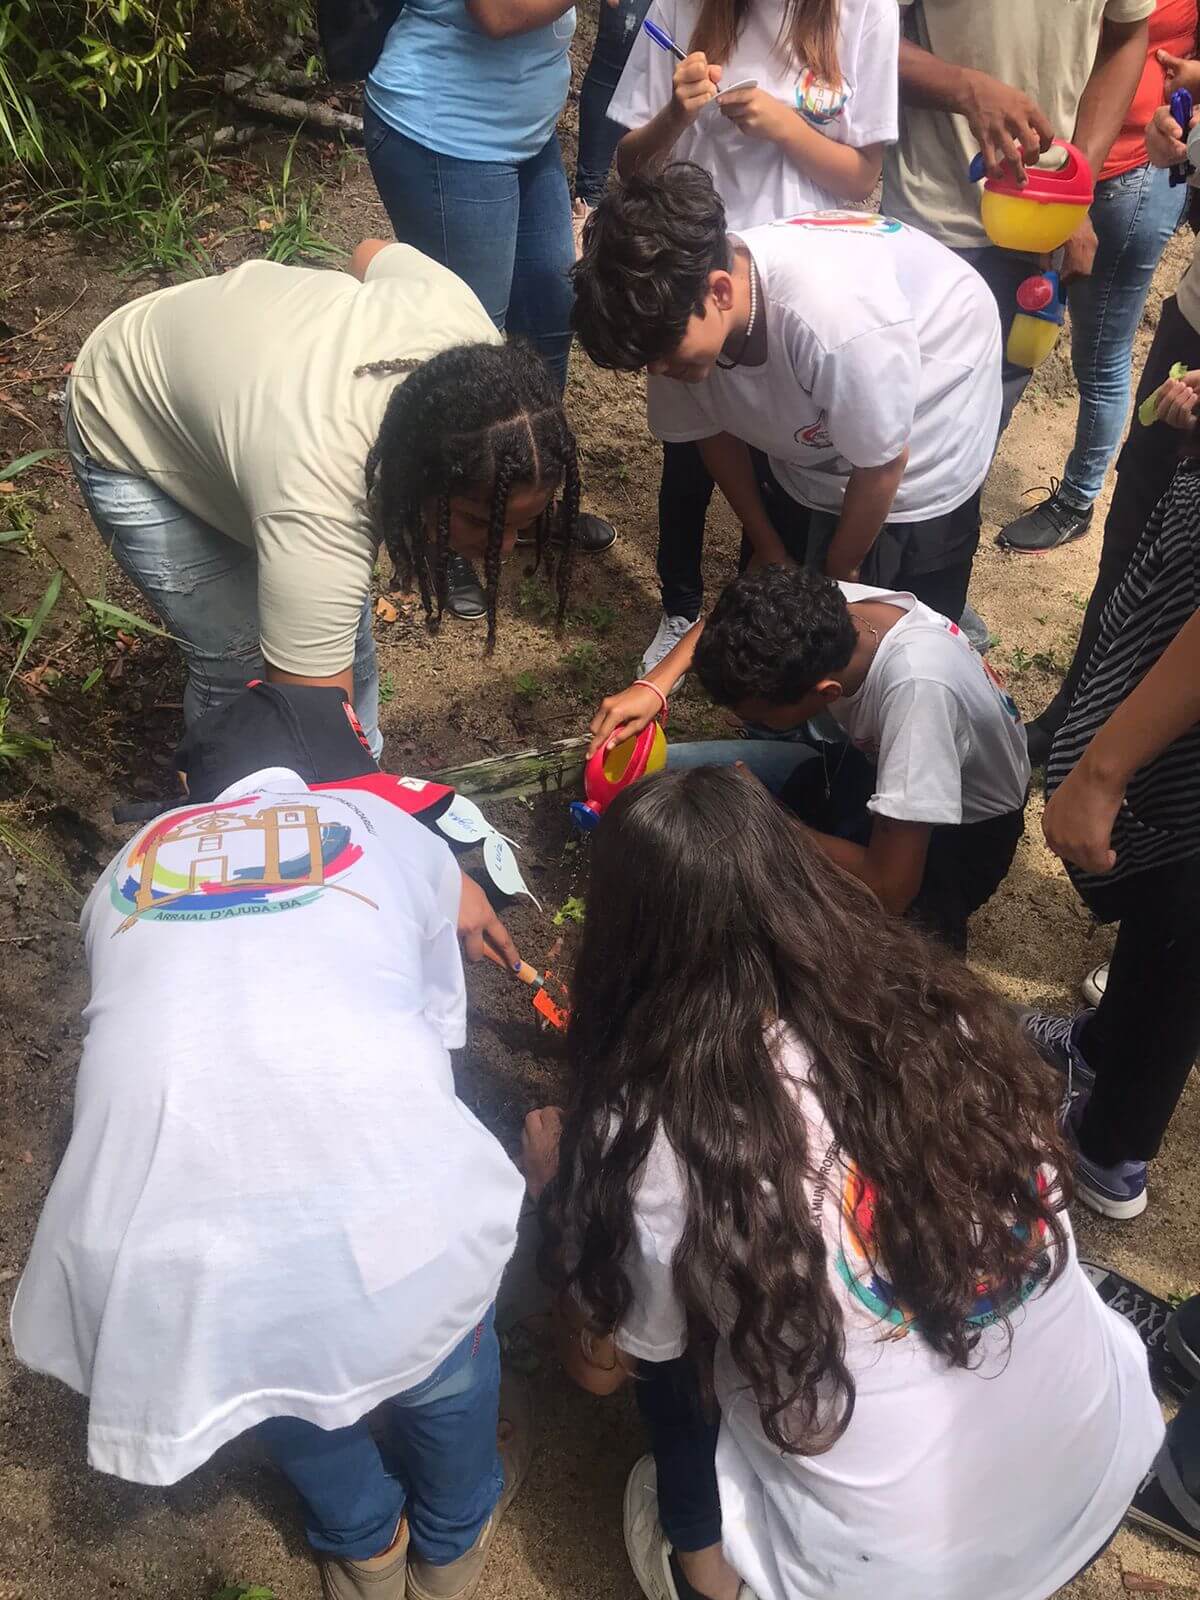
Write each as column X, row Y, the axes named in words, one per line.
column 1172, row 28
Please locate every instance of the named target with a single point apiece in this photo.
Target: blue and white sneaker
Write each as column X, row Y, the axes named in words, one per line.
column 1118, row 1192
column 1056, row 1040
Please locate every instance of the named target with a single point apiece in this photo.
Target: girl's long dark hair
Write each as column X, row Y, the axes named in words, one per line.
column 710, row 915
column 478, row 416
column 808, row 33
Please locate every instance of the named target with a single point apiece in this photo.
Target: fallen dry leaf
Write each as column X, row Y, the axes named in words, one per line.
column 27, row 1157
column 1143, row 1583
column 8, row 487
column 386, row 611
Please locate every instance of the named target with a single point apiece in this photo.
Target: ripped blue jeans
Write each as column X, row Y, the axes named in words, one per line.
column 202, row 584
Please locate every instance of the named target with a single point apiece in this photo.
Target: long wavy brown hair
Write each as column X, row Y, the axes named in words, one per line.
column 808, row 33
column 710, row 916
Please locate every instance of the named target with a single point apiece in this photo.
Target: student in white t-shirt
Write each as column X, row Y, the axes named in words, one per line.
column 273, row 1212
column 806, row 1143
column 925, row 802
column 806, row 132
column 839, row 371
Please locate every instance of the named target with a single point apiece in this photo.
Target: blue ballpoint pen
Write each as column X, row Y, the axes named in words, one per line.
column 663, row 39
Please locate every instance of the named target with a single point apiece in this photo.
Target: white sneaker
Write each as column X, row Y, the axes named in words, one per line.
column 1094, row 985
column 645, row 1543
column 670, row 631
column 580, row 212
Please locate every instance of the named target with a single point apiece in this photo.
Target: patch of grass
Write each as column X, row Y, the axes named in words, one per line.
column 584, row 667
column 242, row 1591
column 287, row 218
column 573, row 909
column 597, row 616
column 535, row 599
column 1020, row 660
column 1049, row 661
column 527, row 686
column 387, row 689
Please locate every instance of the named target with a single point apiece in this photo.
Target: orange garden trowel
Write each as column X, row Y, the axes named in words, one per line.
column 551, row 1013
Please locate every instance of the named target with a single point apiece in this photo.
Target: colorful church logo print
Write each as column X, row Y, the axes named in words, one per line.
column 817, row 101
column 856, row 1265
column 233, row 860
column 868, row 222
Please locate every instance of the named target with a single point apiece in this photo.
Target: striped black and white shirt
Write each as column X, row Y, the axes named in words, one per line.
column 1159, row 821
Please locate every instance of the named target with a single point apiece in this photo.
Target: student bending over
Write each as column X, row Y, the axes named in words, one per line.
column 926, row 802
column 796, row 1126
column 856, row 358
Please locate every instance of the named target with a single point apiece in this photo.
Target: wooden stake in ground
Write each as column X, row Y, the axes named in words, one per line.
column 517, row 777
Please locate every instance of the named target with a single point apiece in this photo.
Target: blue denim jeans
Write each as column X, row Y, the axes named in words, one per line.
column 598, row 135
column 503, row 227
column 436, row 1461
column 771, row 760
column 203, row 585
column 1134, row 215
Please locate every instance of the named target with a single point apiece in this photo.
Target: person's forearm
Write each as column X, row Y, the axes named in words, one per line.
column 849, row 173
column 870, row 494
column 929, row 82
column 500, row 19
column 646, row 147
column 1110, row 88
column 1162, row 708
column 731, row 469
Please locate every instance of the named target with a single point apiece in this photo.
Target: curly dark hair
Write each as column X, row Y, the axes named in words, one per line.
column 774, row 633
column 478, row 416
column 710, row 914
column 648, row 250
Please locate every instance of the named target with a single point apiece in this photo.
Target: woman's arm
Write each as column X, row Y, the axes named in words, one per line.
column 837, row 167
column 693, row 85
column 500, row 19
column 1079, row 817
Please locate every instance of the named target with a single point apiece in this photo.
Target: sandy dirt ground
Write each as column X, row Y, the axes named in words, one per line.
column 67, row 1531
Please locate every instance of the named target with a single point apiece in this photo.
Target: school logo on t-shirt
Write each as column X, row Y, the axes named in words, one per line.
column 237, row 858
column 815, row 436
column 868, row 222
column 817, row 101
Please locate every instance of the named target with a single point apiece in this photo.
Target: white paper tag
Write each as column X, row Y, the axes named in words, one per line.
column 464, row 822
column 731, row 88
column 503, row 870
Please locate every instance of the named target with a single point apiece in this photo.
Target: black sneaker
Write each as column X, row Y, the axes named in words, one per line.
column 1038, row 739
column 1056, row 521
column 1153, row 1508
column 1183, row 1335
column 465, row 598
column 595, row 536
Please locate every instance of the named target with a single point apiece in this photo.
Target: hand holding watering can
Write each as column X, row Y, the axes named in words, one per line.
column 1036, row 212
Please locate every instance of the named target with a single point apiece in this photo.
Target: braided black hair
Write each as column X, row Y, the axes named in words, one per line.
column 479, row 416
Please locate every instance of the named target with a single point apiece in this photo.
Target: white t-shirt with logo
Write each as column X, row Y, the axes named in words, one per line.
column 1002, row 1480
column 877, row 337
column 754, row 177
column 272, row 1202
column 943, row 732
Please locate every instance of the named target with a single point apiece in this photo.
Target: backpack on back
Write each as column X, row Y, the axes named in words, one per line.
column 353, row 34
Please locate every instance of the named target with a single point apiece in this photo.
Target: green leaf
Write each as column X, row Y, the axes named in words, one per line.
column 11, row 535
column 118, row 617
column 91, row 680
column 44, row 607
column 22, row 462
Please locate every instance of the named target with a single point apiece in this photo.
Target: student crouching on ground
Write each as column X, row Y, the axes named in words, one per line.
column 803, row 1137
